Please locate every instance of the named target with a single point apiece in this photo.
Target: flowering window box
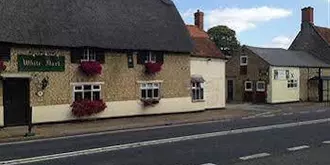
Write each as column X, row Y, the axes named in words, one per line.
column 91, row 68
column 152, row 68
column 86, row 107
column 2, row 66
column 150, row 102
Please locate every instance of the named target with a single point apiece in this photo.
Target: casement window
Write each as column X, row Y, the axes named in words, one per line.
column 243, row 61
column 87, row 91
column 248, row 85
column 144, row 57
column 151, row 57
column 4, row 53
column 150, row 91
column 292, row 83
column 197, row 91
column 87, row 54
column 261, row 86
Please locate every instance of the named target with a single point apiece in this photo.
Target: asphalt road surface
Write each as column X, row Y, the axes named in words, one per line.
column 264, row 140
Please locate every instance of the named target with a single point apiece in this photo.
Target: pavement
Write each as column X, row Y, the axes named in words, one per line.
column 232, row 112
column 238, row 141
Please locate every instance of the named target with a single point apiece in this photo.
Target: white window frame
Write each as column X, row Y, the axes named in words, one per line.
column 245, row 85
column 195, row 86
column 151, row 57
column 150, row 85
column 241, row 60
column 89, row 55
column 82, row 90
column 263, row 89
column 294, row 83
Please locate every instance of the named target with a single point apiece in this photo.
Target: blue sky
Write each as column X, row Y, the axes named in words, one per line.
column 266, row 23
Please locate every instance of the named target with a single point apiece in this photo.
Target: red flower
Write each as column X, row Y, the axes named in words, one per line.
column 87, row 107
column 153, row 68
column 91, row 68
column 2, row 66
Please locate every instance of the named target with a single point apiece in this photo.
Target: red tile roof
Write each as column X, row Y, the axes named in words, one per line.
column 324, row 33
column 203, row 45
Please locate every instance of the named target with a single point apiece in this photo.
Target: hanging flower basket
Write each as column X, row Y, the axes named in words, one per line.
column 147, row 103
column 2, row 66
column 84, row 108
column 152, row 68
column 91, row 68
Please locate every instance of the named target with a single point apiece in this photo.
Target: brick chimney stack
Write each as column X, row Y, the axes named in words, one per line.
column 308, row 15
column 199, row 19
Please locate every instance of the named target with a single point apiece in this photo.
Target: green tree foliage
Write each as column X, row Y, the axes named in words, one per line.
column 225, row 39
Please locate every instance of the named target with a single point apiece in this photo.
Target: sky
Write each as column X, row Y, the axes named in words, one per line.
column 263, row 23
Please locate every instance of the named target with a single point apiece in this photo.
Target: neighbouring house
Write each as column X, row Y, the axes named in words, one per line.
column 207, row 66
column 316, row 41
column 271, row 75
column 82, row 59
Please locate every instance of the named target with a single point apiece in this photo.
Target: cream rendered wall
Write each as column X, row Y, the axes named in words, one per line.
column 58, row 113
column 213, row 71
column 278, row 91
column 2, row 122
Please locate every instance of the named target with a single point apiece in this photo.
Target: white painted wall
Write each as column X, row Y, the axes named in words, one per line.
column 58, row 113
column 213, row 71
column 2, row 122
column 278, row 91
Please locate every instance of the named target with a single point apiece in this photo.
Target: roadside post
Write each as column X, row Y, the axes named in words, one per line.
column 29, row 122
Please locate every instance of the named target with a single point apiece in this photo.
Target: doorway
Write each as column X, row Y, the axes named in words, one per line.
column 230, row 90
column 16, row 101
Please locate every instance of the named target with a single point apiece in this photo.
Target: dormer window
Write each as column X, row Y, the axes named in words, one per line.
column 89, row 55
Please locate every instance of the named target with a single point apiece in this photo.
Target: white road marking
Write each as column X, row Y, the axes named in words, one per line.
column 249, row 117
column 326, row 142
column 266, row 116
column 298, row 148
column 304, row 112
column 287, row 114
column 208, row 164
column 158, row 142
column 255, row 156
column 321, row 110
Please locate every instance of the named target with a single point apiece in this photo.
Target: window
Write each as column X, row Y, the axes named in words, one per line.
column 292, row 83
column 248, row 86
column 150, row 91
column 261, row 86
column 151, row 57
column 244, row 61
column 87, row 91
column 197, row 91
column 144, row 57
column 89, row 55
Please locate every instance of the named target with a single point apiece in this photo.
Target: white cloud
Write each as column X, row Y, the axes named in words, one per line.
column 280, row 42
column 239, row 19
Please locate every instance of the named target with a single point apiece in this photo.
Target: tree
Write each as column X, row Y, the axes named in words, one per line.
column 225, row 39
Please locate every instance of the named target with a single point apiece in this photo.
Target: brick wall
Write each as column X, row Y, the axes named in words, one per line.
column 256, row 65
column 120, row 82
column 310, row 41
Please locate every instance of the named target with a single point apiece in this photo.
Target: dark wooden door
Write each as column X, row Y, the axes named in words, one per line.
column 230, row 90
column 16, row 101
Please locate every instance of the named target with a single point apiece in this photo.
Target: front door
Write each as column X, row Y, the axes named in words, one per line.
column 230, row 90
column 16, row 101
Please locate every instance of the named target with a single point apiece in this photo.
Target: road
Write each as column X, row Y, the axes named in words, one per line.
column 267, row 139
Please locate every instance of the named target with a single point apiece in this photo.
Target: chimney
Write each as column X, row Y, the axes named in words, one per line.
column 308, row 15
column 199, row 19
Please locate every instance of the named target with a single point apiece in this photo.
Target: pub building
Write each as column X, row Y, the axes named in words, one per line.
column 78, row 59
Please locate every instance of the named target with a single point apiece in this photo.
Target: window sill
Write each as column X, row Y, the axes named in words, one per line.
column 198, row 101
